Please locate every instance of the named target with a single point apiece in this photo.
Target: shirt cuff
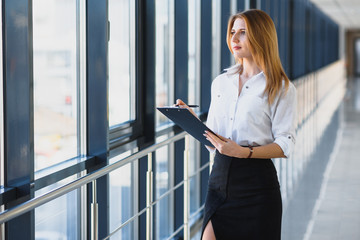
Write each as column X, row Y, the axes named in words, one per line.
column 286, row 143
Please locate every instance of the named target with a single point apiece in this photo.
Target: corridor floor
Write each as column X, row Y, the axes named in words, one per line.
column 327, row 204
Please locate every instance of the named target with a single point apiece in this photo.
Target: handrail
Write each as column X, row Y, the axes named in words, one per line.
column 47, row 197
column 159, row 199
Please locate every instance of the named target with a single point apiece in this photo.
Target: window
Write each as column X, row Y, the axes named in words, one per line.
column 55, row 81
column 121, row 54
column 59, row 218
column 56, row 72
column 164, row 72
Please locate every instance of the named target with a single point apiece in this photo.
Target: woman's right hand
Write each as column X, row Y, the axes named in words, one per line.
column 181, row 104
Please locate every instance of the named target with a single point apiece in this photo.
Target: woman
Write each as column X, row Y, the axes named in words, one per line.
column 253, row 113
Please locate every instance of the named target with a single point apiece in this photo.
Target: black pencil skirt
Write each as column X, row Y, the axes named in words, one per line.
column 243, row 199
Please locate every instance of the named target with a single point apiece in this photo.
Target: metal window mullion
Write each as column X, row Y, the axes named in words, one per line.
column 94, row 213
column 135, row 195
column 216, row 38
column 186, row 190
column 97, row 124
column 81, row 110
column 258, row 4
column 132, row 59
column 2, row 226
column 198, row 51
column 171, row 64
column 82, row 196
column 247, row 4
column 233, row 10
column 171, row 170
column 149, row 199
column 1, row 110
column 198, row 175
column 18, row 110
column 81, row 76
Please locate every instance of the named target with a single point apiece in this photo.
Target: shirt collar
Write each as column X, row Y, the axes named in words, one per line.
column 233, row 69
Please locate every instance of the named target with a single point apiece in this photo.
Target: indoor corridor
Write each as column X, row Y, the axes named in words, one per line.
column 85, row 153
column 326, row 204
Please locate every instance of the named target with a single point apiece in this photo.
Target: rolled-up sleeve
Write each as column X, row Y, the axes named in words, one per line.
column 284, row 120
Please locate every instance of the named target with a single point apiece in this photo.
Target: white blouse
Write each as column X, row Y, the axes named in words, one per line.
column 248, row 119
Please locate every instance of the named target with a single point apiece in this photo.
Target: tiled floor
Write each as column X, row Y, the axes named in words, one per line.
column 326, row 204
column 338, row 214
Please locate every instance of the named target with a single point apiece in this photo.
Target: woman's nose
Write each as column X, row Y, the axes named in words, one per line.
column 235, row 38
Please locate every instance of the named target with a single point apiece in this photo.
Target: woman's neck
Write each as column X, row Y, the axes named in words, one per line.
column 249, row 68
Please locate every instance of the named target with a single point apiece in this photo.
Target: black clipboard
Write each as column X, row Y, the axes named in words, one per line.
column 188, row 122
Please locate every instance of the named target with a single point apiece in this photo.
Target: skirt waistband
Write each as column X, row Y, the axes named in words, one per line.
column 241, row 174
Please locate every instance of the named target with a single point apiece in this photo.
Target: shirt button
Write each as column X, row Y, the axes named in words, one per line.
column 289, row 137
column 247, row 87
column 231, row 119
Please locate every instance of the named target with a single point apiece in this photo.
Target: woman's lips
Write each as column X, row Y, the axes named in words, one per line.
column 236, row 48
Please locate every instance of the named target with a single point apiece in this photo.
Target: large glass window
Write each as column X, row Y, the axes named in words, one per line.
column 55, row 81
column 164, row 56
column 121, row 54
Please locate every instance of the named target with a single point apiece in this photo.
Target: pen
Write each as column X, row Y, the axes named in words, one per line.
column 191, row 106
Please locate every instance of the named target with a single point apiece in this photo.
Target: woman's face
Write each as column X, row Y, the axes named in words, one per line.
column 239, row 40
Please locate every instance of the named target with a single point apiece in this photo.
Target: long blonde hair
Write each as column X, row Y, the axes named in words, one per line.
column 263, row 45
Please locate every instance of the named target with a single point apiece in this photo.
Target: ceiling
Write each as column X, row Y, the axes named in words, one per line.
column 345, row 12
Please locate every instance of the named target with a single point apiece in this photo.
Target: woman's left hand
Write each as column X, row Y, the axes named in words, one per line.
column 226, row 146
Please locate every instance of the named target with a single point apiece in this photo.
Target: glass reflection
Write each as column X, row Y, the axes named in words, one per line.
column 55, row 81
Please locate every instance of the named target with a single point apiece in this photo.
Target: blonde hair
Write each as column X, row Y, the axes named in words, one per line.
column 263, row 45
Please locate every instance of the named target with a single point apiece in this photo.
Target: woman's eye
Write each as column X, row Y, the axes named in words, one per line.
column 242, row 32
column 232, row 32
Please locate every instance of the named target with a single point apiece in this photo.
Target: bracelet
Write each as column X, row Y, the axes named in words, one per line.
column 251, row 151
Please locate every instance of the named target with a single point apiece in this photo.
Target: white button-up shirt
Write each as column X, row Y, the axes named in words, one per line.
column 248, row 119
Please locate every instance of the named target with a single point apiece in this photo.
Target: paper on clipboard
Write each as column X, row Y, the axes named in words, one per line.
column 188, row 122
